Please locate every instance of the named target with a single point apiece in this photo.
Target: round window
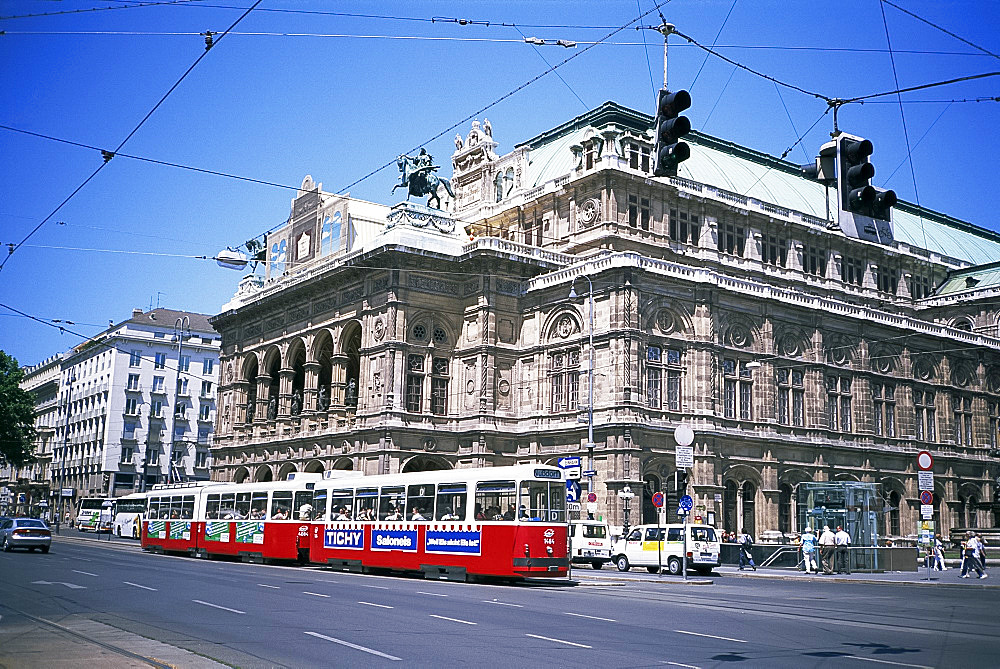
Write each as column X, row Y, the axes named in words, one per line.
column 419, row 332
column 439, row 335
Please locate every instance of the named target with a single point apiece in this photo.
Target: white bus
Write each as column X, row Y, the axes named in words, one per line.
column 129, row 512
column 93, row 514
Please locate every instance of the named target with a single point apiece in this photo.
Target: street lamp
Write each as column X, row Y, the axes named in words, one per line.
column 180, row 325
column 590, row 380
column 626, row 495
column 62, row 466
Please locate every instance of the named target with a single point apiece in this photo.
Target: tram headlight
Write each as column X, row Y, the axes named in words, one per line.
column 527, row 551
column 548, row 549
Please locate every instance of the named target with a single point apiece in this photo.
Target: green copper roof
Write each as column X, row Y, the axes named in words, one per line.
column 743, row 171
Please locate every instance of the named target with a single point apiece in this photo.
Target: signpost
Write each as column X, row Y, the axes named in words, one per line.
column 925, row 480
column 570, row 465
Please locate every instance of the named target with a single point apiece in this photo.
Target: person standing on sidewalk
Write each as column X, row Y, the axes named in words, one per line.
column 843, row 543
column 939, row 553
column 808, row 540
column 972, row 553
column 827, row 544
column 746, row 551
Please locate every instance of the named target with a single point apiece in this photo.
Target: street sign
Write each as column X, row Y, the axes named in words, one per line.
column 925, row 481
column 926, row 511
column 925, row 461
column 926, row 497
column 718, row 497
column 657, row 499
column 572, row 491
column 590, row 472
column 591, row 507
column 684, row 456
column 573, row 506
column 591, row 497
column 567, row 462
column 686, row 503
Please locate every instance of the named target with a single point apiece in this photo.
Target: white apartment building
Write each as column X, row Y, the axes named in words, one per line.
column 141, row 400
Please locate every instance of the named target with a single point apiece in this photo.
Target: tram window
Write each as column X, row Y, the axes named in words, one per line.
column 303, row 505
column 258, row 505
column 187, row 507
column 281, row 505
column 451, row 501
column 542, row 501
column 654, row 534
column 176, row 506
column 420, row 502
column 242, row 505
column 341, row 503
column 494, row 499
column 320, row 499
column 227, row 506
column 366, row 504
column 675, row 534
column 392, row 503
column 154, row 508
column 212, row 507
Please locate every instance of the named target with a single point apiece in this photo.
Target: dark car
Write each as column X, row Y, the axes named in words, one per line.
column 30, row 533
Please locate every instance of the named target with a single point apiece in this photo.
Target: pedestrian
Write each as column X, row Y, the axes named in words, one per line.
column 939, row 553
column 982, row 551
column 746, row 551
column 827, row 544
column 808, row 543
column 842, row 540
column 972, row 553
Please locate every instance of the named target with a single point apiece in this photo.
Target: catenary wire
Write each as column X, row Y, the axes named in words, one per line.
column 714, row 43
column 936, row 26
column 98, row 9
column 108, row 156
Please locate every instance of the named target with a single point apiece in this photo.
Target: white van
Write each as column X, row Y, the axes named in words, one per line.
column 591, row 542
column 644, row 542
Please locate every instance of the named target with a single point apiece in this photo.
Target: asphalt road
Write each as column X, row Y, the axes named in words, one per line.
column 261, row 615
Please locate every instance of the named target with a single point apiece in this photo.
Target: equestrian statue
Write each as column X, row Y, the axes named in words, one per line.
column 418, row 178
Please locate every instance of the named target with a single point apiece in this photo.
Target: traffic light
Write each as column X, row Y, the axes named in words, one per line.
column 670, row 127
column 680, row 482
column 857, row 195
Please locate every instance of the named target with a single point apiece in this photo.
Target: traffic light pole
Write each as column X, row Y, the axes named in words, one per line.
column 666, row 29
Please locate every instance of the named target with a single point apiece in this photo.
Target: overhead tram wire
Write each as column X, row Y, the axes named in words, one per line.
column 937, row 27
column 714, row 42
column 134, row 5
column 645, row 49
column 109, row 155
column 545, row 60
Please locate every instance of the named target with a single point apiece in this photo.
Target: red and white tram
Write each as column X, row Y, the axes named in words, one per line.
column 496, row 521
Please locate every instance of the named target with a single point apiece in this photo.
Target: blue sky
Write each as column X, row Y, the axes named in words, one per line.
column 298, row 89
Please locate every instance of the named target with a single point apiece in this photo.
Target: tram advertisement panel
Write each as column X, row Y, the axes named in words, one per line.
column 394, row 540
column 216, row 531
column 180, row 530
column 456, row 542
column 157, row 529
column 249, row 532
column 350, row 539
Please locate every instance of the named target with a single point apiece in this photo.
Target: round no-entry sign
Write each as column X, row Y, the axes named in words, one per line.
column 925, row 461
column 591, row 497
column 926, row 497
column 657, row 499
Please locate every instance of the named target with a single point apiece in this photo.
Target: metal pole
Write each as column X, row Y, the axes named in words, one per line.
column 590, row 382
column 179, row 326
column 62, row 467
column 684, row 556
column 665, row 29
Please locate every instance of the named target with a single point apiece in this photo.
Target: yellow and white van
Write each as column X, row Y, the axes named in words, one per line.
column 591, row 542
column 649, row 546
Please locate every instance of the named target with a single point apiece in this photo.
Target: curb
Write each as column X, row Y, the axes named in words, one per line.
column 875, row 581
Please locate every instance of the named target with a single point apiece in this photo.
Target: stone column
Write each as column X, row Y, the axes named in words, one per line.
column 310, row 394
column 263, row 383
column 285, row 378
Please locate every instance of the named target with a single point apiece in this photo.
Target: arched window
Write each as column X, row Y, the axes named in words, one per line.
column 785, row 508
column 892, row 526
column 729, row 507
column 749, row 508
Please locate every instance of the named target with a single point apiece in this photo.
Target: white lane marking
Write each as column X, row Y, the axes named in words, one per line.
column 898, row 664
column 710, row 636
column 136, row 585
column 580, row 615
column 680, row 664
column 71, row 586
column 353, row 645
column 216, row 606
column 314, row 594
column 487, row 601
column 454, row 620
column 273, row 587
column 85, row 573
column 568, row 643
column 379, row 587
column 381, row 606
column 432, row 594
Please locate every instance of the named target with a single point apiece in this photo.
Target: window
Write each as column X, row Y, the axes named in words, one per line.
column 157, row 384
column 153, row 455
column 451, row 502
column 127, row 453
column 737, row 389
column 852, row 270
column 775, row 250
column 200, row 459
column 926, row 426
column 420, row 502
column 884, row 399
column 391, row 503
column 994, row 424
column 732, row 238
column 205, row 412
column 414, row 382
column 160, row 361
column 494, row 499
column 590, row 155
column 439, row 386
column 564, row 379
column 920, row 287
column 838, row 389
column 131, row 407
column 203, row 431
column 542, row 501
column 135, row 359
column 962, row 410
column 182, row 386
column 206, row 388
column 185, row 363
column 683, row 227
column 663, row 372
column 888, row 279
column 133, row 382
column 128, row 429
column 791, row 397
column 638, row 212
column 638, row 157
column 156, row 409
column 815, row 261
column 207, row 365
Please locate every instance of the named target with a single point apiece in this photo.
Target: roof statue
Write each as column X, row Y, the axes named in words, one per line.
column 418, row 178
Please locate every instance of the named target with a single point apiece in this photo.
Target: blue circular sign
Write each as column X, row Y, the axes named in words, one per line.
column 686, row 502
column 657, row 499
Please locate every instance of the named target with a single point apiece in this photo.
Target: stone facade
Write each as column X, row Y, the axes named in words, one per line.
column 794, row 352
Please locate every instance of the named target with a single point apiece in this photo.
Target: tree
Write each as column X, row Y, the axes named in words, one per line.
column 17, row 416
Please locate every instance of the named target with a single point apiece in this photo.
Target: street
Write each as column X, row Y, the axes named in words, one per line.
column 263, row 615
